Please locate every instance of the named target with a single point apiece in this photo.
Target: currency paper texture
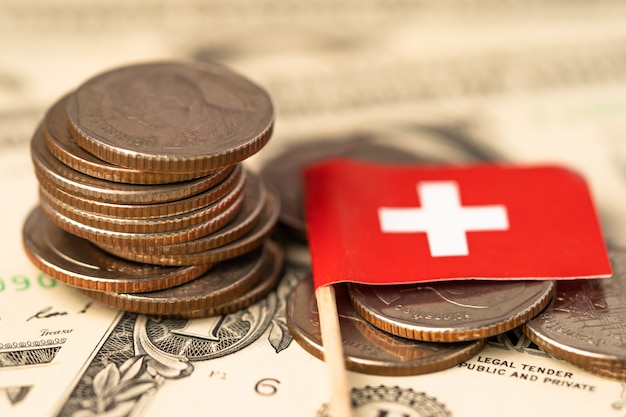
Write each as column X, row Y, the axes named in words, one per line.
column 451, row 81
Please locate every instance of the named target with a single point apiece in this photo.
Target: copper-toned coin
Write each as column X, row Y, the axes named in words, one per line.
column 269, row 279
column 171, row 117
column 146, row 224
column 64, row 148
column 451, row 311
column 50, row 170
column 77, row 262
column 285, row 169
column 224, row 283
column 231, row 177
column 247, row 217
column 106, row 238
column 366, row 348
column 261, row 230
column 584, row 324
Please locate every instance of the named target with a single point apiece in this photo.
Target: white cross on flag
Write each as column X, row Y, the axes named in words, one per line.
column 384, row 224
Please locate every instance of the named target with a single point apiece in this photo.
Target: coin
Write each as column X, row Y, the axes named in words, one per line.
column 147, row 224
column 285, row 169
column 171, row 117
column 261, row 230
column 102, row 237
column 226, row 282
column 584, row 324
column 269, row 279
column 451, row 311
column 366, row 348
column 231, row 177
column 76, row 262
column 247, row 217
column 63, row 146
column 52, row 172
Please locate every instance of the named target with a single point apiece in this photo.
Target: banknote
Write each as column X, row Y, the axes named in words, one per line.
column 455, row 81
column 61, row 355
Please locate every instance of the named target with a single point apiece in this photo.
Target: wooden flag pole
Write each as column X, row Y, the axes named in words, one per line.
column 340, row 404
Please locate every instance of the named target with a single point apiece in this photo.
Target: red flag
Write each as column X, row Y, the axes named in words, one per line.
column 390, row 224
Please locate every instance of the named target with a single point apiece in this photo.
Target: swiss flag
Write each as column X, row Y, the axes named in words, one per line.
column 390, row 224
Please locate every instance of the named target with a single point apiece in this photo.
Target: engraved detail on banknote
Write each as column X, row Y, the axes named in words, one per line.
column 387, row 400
column 29, row 344
column 22, row 357
column 143, row 352
column 515, row 340
column 279, row 336
column 16, row 395
column 621, row 403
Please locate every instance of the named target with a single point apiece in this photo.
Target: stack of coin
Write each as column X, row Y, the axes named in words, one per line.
column 144, row 202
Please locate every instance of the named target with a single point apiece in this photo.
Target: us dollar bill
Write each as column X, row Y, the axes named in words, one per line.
column 454, row 80
column 62, row 355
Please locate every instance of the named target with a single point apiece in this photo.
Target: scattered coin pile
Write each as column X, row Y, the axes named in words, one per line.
column 584, row 325
column 368, row 349
column 144, row 203
column 415, row 329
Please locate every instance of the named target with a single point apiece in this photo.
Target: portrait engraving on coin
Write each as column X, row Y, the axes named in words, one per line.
column 168, row 110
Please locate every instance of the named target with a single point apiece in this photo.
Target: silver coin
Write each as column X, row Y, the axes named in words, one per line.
column 102, row 237
column 584, row 324
column 171, row 116
column 63, row 146
column 366, row 348
column 284, row 171
column 260, row 229
column 228, row 179
column 451, row 311
column 76, row 262
column 49, row 170
column 254, row 204
column 230, row 286
column 136, row 224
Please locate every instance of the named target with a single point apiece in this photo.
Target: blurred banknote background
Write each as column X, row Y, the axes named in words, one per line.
column 450, row 80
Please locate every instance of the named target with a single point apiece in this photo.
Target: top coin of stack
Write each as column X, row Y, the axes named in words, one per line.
column 143, row 162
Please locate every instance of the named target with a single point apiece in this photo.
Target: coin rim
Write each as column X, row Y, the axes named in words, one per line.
column 208, row 304
column 107, row 238
column 249, row 241
column 265, row 285
column 151, row 225
column 76, row 279
column 79, row 159
column 48, row 169
column 233, row 230
column 131, row 158
column 226, row 180
column 371, row 366
column 447, row 334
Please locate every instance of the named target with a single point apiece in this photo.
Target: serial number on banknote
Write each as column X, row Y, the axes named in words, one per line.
column 22, row 282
